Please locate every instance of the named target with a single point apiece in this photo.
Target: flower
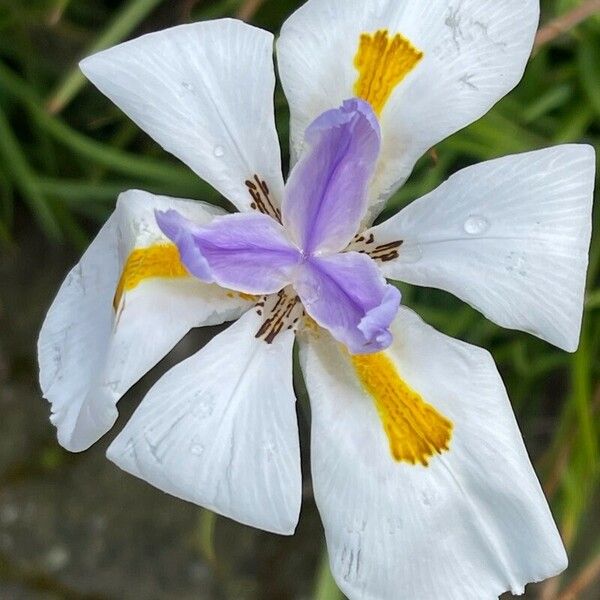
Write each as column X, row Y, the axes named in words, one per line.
column 305, row 244
column 419, row 470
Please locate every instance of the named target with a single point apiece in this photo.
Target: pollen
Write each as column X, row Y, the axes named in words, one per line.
column 416, row 431
column 157, row 261
column 382, row 63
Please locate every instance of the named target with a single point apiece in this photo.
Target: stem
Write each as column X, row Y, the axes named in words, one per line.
column 565, row 23
column 207, row 523
column 325, row 587
column 582, row 396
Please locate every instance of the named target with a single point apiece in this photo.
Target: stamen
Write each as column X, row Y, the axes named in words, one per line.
column 281, row 311
column 261, row 196
column 364, row 244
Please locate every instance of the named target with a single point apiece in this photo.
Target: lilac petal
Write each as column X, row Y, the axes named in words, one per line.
column 347, row 295
column 244, row 252
column 374, row 325
column 326, row 194
column 181, row 232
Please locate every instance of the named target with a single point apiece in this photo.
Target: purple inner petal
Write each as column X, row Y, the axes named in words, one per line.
column 347, row 295
column 326, row 199
column 244, row 252
column 326, row 194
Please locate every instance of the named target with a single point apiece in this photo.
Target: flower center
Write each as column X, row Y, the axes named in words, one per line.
column 281, row 311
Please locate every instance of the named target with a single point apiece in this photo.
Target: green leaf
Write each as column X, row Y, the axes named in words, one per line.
column 589, row 70
column 121, row 25
column 25, row 180
column 325, row 586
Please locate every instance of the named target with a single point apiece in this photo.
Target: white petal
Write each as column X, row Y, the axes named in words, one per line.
column 468, row 527
column 204, row 92
column 88, row 356
column 475, row 52
column 510, row 237
column 220, row 430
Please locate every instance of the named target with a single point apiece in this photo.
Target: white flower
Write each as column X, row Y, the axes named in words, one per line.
column 419, row 470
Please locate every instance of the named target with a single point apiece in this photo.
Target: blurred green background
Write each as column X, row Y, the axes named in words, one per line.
column 73, row 526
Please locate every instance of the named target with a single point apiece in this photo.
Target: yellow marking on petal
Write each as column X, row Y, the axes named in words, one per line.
column 160, row 260
column 243, row 296
column 416, row 430
column 310, row 324
column 247, row 297
column 382, row 63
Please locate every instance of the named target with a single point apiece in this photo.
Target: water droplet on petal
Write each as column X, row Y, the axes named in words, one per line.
column 204, row 406
column 394, row 524
column 516, row 262
column 197, row 449
column 476, row 225
column 219, row 151
column 411, row 254
column 187, row 86
column 427, row 498
column 270, row 448
column 313, row 294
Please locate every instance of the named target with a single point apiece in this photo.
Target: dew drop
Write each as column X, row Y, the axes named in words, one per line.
column 427, row 498
column 197, row 449
column 516, row 262
column 270, row 448
column 313, row 294
column 204, row 407
column 411, row 254
column 219, row 151
column 394, row 525
column 476, row 225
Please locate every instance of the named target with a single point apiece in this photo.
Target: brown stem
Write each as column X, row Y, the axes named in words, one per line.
column 566, row 22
